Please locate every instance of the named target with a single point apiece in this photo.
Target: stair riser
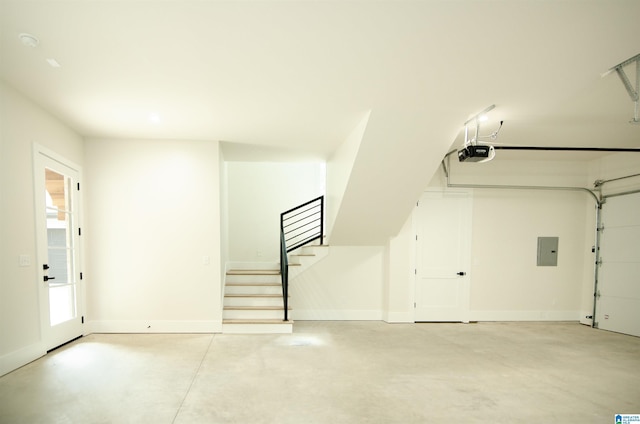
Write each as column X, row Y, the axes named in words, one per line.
column 252, row 314
column 232, row 265
column 249, row 289
column 253, row 301
column 318, row 252
column 253, row 279
column 302, row 260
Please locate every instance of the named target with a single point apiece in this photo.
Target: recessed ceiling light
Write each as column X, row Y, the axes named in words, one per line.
column 29, row 40
column 54, row 63
column 154, row 118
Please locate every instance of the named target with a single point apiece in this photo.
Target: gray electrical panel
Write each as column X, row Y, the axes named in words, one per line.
column 547, row 251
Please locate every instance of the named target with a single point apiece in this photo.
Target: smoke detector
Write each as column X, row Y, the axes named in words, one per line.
column 29, row 40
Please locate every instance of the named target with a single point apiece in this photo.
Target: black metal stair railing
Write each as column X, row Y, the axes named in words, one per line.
column 299, row 226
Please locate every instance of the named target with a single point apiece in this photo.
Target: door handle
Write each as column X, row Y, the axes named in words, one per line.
column 46, row 278
column 462, row 273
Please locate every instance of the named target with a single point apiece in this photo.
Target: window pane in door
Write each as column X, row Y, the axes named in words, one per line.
column 59, row 254
column 62, row 296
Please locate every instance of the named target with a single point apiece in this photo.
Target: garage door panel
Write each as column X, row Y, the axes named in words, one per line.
column 618, row 306
column 620, row 315
column 620, row 280
column 621, row 244
column 622, row 211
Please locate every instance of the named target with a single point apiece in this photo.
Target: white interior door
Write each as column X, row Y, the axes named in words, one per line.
column 618, row 300
column 58, row 232
column 443, row 224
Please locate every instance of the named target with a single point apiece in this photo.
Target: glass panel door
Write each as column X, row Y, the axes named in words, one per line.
column 60, row 272
column 57, row 203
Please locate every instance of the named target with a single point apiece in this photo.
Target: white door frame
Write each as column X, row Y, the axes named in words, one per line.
column 41, row 153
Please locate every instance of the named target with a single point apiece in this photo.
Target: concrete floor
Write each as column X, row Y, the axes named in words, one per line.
column 335, row 372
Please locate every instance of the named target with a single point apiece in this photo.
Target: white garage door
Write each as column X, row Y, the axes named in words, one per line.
column 618, row 303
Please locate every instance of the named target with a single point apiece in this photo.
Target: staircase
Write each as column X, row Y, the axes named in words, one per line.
column 257, row 300
column 253, row 301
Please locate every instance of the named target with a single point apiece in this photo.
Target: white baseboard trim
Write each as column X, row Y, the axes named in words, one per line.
column 16, row 359
column 336, row 315
column 524, row 315
column 398, row 317
column 155, row 326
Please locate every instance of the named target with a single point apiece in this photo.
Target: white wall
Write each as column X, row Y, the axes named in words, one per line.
column 506, row 284
column 23, row 123
column 153, row 212
column 339, row 168
column 399, row 278
column 345, row 285
column 258, row 192
column 573, row 214
column 519, row 170
column 224, row 217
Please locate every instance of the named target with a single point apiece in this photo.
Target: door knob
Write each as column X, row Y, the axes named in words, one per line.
column 462, row 273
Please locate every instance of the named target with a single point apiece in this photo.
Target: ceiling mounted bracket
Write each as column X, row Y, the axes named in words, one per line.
column 633, row 91
column 475, row 119
column 472, row 151
column 478, row 115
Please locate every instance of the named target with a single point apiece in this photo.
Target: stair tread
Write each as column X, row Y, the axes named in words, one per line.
column 256, row 321
column 250, row 284
column 256, row 308
column 303, row 254
column 253, row 272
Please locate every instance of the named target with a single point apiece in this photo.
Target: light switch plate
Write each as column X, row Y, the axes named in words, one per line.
column 24, row 260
